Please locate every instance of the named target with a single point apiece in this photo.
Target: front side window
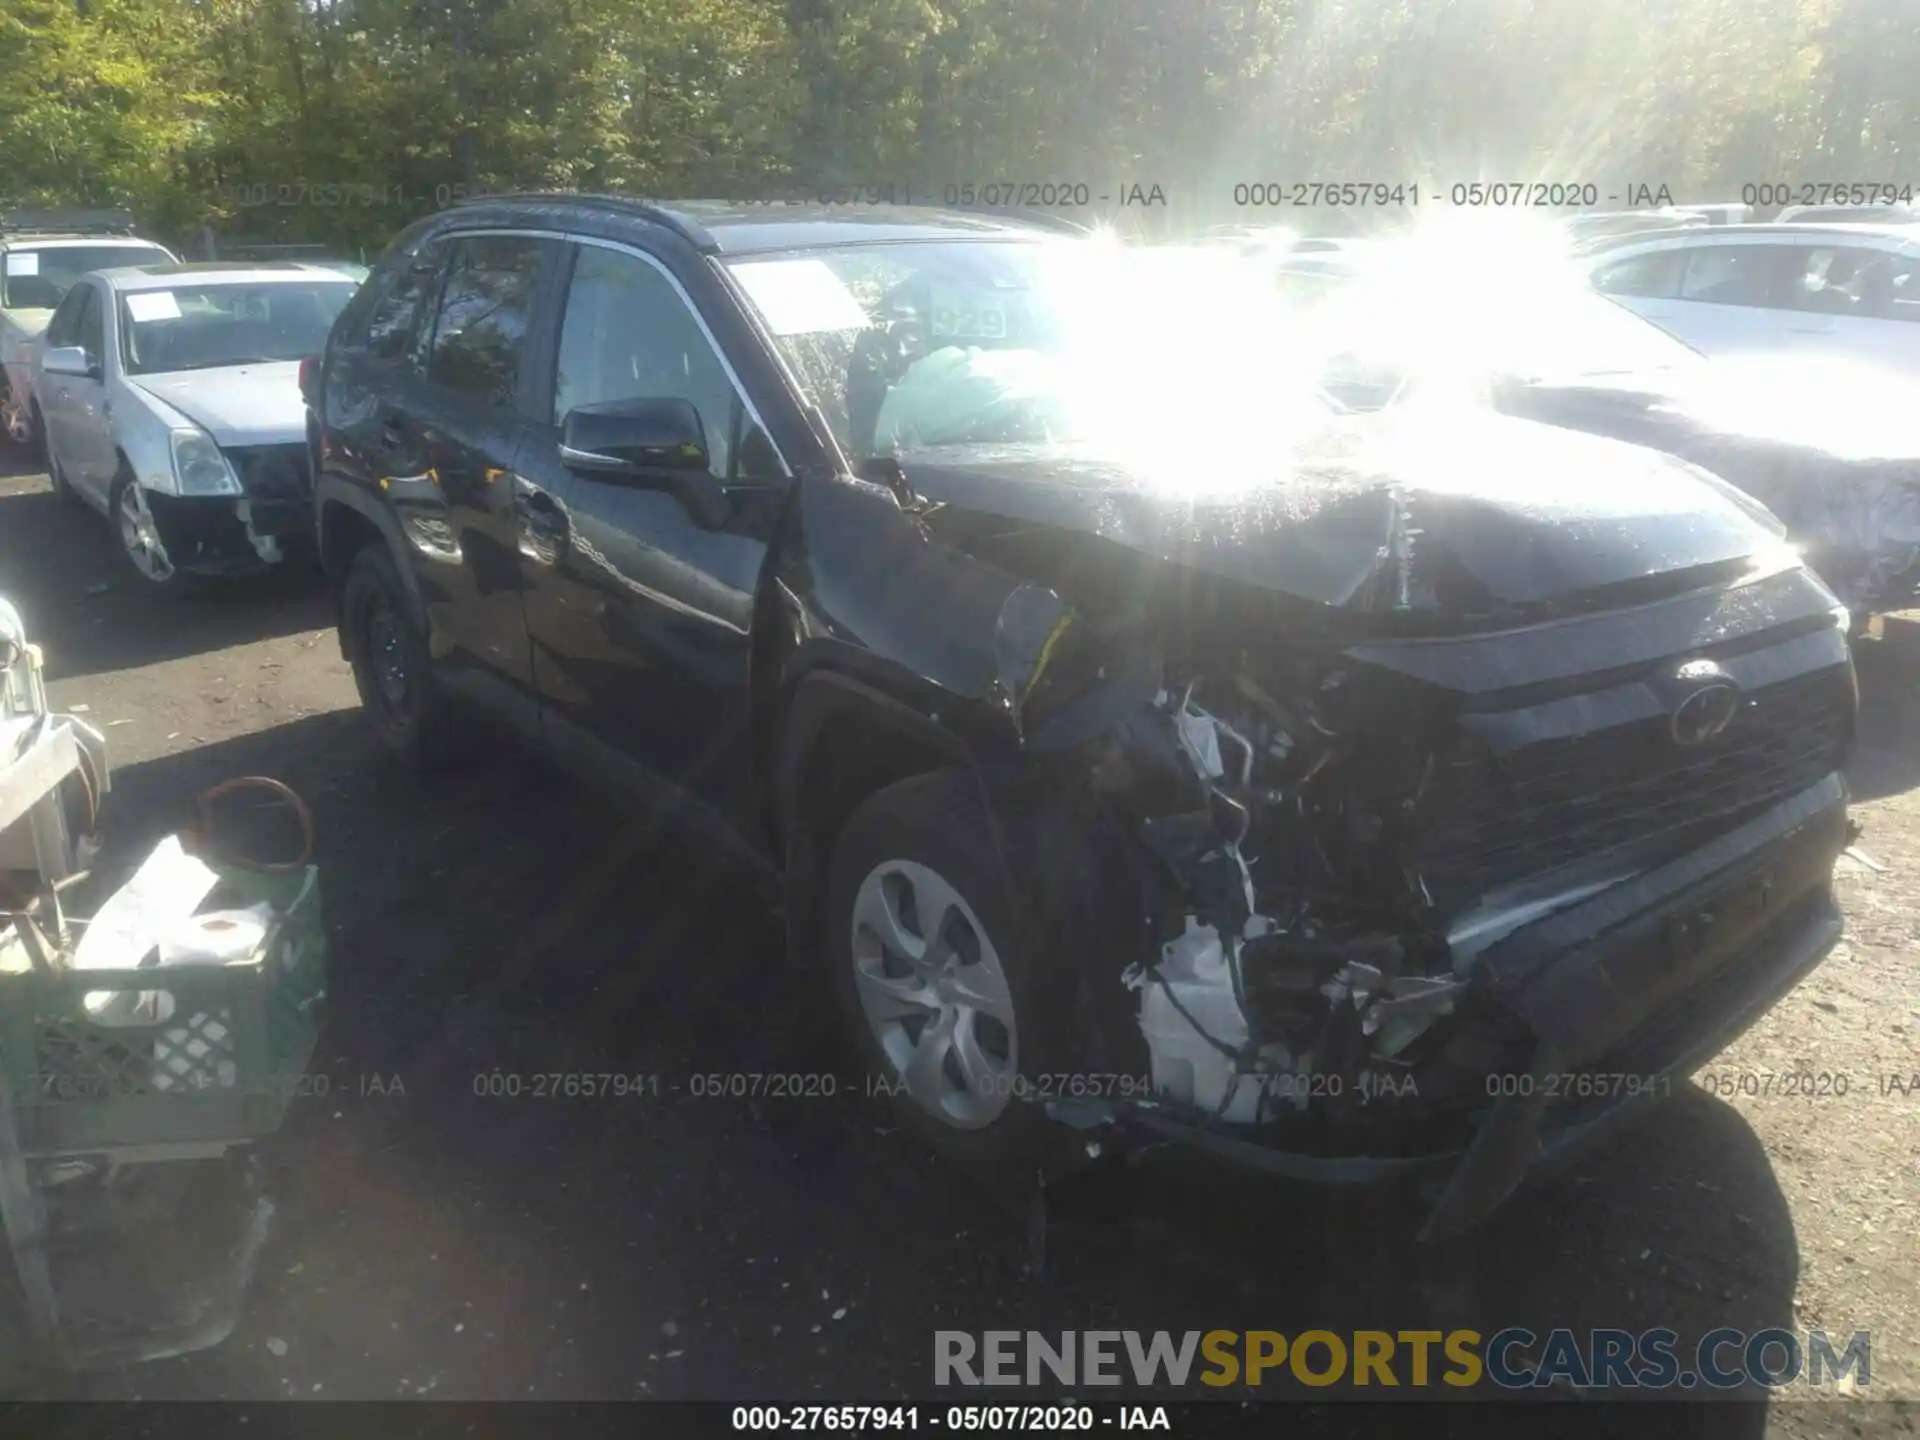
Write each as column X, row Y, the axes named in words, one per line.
column 1655, row 276
column 202, row 327
column 40, row 279
column 64, row 329
column 480, row 332
column 1734, row 274
column 628, row 335
column 91, row 327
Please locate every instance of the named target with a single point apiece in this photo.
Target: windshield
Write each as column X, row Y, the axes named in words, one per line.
column 972, row 343
column 200, row 327
column 39, row 279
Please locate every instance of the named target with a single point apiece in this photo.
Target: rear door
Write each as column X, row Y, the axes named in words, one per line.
column 1734, row 298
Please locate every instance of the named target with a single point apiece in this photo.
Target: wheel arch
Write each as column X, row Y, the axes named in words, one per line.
column 843, row 740
column 346, row 520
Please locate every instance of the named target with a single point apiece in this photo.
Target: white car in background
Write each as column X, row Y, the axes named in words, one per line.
column 42, row 253
column 169, row 397
column 1841, row 290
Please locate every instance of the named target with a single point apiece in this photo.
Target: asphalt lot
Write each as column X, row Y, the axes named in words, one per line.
column 435, row 1242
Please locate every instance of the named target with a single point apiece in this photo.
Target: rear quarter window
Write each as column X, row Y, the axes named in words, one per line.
column 385, row 313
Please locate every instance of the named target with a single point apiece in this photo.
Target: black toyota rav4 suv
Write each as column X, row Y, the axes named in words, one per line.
column 1142, row 756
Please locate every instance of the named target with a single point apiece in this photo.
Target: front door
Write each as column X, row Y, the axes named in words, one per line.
column 1732, row 299
column 460, row 507
column 642, row 642
column 79, row 421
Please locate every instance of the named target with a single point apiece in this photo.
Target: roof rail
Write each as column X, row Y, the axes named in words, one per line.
column 694, row 234
column 66, row 222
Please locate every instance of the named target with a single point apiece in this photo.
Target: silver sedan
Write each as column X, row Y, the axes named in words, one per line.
column 170, row 401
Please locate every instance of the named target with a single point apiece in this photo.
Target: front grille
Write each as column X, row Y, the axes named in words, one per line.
column 272, row 472
column 1501, row 818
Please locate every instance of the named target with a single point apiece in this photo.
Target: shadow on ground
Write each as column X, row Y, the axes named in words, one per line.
column 453, row 1225
column 90, row 611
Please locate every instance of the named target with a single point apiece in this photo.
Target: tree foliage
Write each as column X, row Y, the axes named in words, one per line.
column 340, row 120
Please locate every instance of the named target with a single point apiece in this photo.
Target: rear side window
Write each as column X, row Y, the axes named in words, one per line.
column 1655, row 276
column 396, row 316
column 486, row 307
column 1735, row 274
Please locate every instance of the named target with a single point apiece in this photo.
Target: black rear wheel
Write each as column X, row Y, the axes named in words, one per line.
column 392, row 668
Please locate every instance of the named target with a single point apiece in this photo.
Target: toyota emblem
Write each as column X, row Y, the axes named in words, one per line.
column 1706, row 711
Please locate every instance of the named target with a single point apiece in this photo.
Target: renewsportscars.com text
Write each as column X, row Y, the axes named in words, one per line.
column 1509, row 1359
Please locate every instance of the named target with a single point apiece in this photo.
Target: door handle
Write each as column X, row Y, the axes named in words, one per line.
column 392, row 435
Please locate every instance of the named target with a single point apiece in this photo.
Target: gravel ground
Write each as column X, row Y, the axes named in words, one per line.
column 434, row 1242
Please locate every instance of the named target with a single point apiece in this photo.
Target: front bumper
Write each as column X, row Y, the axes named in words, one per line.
column 239, row 534
column 1648, row 979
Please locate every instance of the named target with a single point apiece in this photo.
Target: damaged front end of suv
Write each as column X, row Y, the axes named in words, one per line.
column 1390, row 821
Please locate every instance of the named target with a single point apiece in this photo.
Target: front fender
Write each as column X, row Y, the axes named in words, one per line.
column 142, row 427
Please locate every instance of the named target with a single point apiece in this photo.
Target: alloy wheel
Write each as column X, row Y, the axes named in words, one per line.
column 935, row 994
column 140, row 537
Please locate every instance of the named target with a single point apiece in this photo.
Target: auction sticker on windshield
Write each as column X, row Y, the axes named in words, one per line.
column 965, row 315
column 800, row 297
column 23, row 262
column 153, row 305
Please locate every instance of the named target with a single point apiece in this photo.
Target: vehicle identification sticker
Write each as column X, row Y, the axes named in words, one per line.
column 965, row 315
column 800, row 297
column 145, row 305
column 23, row 262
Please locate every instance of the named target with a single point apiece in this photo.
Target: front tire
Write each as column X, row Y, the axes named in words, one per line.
column 139, row 536
column 392, row 667
column 928, row 973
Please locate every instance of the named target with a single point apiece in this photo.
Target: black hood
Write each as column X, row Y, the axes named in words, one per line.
column 1453, row 511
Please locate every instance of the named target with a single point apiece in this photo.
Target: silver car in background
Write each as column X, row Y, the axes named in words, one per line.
column 42, row 253
column 170, row 401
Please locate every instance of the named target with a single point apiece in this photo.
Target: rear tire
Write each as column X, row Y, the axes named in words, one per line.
column 920, row 922
column 392, row 668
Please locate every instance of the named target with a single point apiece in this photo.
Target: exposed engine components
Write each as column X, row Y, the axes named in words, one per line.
column 1297, row 957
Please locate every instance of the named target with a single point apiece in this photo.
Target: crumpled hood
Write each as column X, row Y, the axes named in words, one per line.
column 1451, row 511
column 238, row 405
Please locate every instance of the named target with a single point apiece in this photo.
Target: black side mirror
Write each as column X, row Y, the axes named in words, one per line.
column 634, row 437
